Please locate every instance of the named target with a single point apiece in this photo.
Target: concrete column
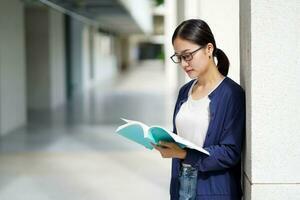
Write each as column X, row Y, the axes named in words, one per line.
column 57, row 58
column 92, row 53
column 80, row 56
column 105, row 57
column 86, row 62
column 118, row 52
column 12, row 66
column 37, row 57
column 183, row 14
column 45, row 49
column 224, row 23
column 76, row 56
column 170, row 24
column 124, row 40
column 270, row 49
column 223, row 19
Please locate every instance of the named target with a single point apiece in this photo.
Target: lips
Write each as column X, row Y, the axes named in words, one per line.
column 188, row 71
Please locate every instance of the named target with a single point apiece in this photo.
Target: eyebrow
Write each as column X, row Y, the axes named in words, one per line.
column 176, row 53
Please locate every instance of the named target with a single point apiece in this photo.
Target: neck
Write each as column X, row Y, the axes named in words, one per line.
column 211, row 76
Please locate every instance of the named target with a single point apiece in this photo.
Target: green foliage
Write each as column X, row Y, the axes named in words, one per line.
column 159, row 2
column 161, row 55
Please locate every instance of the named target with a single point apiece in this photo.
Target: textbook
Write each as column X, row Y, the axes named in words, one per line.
column 142, row 134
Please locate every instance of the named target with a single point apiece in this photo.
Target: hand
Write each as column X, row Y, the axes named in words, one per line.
column 170, row 150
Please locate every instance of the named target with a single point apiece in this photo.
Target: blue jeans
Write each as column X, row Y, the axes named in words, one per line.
column 188, row 183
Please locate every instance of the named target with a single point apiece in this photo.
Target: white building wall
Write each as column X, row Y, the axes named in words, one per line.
column 12, row 66
column 57, row 58
column 270, row 49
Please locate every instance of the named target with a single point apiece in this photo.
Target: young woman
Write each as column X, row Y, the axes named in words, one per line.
column 210, row 112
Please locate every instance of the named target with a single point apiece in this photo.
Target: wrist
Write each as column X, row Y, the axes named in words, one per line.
column 183, row 154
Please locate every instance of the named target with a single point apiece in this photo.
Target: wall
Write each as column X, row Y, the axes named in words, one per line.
column 12, row 66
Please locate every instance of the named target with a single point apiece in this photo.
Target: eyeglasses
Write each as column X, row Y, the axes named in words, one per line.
column 186, row 56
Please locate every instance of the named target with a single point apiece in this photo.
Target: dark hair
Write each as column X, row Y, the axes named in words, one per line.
column 198, row 32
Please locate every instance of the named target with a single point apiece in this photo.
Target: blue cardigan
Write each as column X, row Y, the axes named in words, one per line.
column 219, row 174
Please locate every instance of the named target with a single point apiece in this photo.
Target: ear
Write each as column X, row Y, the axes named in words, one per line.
column 209, row 49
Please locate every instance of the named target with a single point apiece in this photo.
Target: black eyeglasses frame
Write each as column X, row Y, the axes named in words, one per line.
column 180, row 57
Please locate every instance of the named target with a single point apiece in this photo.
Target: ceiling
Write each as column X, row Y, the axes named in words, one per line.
column 109, row 15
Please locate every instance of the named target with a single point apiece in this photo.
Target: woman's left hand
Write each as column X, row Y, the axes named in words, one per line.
column 170, row 150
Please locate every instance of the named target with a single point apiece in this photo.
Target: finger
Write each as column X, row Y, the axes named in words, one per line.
column 158, row 148
column 167, row 144
column 153, row 145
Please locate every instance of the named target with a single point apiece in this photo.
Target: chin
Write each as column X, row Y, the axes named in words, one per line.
column 192, row 76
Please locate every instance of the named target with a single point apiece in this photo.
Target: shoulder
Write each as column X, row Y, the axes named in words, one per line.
column 228, row 92
column 232, row 87
column 233, row 92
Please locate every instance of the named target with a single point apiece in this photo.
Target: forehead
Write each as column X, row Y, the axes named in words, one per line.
column 182, row 45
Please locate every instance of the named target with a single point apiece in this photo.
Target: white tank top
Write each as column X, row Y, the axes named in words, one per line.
column 193, row 118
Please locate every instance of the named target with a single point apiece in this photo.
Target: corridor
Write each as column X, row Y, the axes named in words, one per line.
column 74, row 153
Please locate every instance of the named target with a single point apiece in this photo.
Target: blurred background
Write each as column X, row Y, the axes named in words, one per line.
column 70, row 69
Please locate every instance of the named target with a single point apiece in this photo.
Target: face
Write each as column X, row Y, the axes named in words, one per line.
column 200, row 60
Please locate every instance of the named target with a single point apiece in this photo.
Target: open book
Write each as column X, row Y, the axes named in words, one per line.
column 145, row 135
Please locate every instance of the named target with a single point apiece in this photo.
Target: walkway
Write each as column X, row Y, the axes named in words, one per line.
column 73, row 153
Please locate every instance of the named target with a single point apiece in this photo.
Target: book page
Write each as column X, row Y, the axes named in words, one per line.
column 129, row 122
column 179, row 140
column 135, row 131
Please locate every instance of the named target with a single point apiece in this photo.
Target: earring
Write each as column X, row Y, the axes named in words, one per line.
column 209, row 57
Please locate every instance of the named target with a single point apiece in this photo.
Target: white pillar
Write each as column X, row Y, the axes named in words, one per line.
column 77, row 28
column 86, row 62
column 224, row 23
column 270, row 71
column 45, row 55
column 184, row 11
column 223, row 19
column 170, row 25
column 80, row 56
column 57, row 58
column 12, row 66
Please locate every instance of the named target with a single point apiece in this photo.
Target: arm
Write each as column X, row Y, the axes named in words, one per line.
column 227, row 153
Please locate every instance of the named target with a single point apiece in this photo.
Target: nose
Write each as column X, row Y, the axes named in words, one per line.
column 184, row 63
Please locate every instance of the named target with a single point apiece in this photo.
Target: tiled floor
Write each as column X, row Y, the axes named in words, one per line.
column 73, row 152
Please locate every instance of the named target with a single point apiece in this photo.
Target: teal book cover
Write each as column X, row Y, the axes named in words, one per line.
column 144, row 135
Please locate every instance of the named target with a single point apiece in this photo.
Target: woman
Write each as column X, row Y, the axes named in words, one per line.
column 210, row 112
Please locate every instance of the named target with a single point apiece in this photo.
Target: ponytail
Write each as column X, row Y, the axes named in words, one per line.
column 223, row 62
